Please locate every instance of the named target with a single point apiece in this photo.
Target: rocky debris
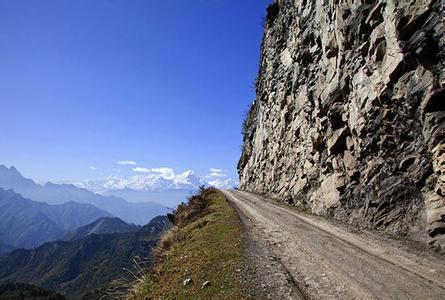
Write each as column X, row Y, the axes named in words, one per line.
column 187, row 281
column 349, row 118
column 205, row 284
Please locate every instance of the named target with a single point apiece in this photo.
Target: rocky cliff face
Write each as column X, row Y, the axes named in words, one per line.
column 349, row 119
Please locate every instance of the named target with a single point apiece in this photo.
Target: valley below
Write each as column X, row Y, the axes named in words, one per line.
column 85, row 264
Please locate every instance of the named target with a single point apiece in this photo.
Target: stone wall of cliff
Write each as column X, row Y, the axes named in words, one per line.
column 349, row 117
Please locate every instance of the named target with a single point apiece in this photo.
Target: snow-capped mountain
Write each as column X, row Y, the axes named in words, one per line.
column 154, row 183
column 223, row 184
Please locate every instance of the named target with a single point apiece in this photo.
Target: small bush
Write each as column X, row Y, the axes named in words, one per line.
column 167, row 240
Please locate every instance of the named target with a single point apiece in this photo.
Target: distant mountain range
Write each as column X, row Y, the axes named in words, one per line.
column 101, row 226
column 137, row 213
column 153, row 183
column 147, row 183
column 83, row 265
column 26, row 223
column 153, row 187
column 5, row 248
column 223, row 184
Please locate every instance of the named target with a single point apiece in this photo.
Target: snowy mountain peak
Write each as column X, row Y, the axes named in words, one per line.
column 154, row 182
column 223, row 184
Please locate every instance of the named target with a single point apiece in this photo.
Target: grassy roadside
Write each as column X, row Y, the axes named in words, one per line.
column 205, row 245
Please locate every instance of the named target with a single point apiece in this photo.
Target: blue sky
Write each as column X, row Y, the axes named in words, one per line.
column 88, row 83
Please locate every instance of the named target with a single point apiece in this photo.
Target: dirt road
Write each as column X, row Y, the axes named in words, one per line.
column 325, row 260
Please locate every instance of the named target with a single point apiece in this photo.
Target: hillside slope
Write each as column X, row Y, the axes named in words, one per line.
column 101, row 226
column 5, row 248
column 11, row 291
column 26, row 223
column 349, row 116
column 205, row 245
column 77, row 267
column 137, row 213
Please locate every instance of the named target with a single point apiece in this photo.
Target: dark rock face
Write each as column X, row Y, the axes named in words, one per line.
column 349, row 119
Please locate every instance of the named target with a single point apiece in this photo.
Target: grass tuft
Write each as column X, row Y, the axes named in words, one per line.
column 205, row 244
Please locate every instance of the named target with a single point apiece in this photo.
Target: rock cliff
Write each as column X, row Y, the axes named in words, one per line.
column 349, row 117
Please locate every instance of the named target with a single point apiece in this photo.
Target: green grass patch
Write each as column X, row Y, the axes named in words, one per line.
column 203, row 246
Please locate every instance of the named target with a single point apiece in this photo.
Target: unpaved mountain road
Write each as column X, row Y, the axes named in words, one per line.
column 325, row 260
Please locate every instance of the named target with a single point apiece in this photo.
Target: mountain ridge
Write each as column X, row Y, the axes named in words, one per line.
column 151, row 187
column 104, row 225
column 82, row 266
column 51, row 193
column 153, row 183
column 27, row 223
column 4, row 248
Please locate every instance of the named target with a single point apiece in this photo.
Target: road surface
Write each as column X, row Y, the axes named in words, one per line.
column 325, row 260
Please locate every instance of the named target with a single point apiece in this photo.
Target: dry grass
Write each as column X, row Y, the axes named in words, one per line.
column 205, row 245
column 168, row 239
column 197, row 206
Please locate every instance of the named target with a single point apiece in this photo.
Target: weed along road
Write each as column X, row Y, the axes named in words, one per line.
column 328, row 260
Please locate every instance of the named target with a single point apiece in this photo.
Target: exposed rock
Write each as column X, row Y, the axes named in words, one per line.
column 205, row 284
column 187, row 281
column 349, row 119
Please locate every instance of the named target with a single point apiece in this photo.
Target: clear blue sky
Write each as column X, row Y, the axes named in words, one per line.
column 92, row 82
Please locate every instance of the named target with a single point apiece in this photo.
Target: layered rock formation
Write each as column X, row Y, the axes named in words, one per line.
column 349, row 119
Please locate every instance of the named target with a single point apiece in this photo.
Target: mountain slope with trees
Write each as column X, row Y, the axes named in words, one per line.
column 26, row 223
column 101, row 226
column 77, row 267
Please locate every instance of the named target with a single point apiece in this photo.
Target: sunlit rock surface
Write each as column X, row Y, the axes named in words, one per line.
column 349, row 118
